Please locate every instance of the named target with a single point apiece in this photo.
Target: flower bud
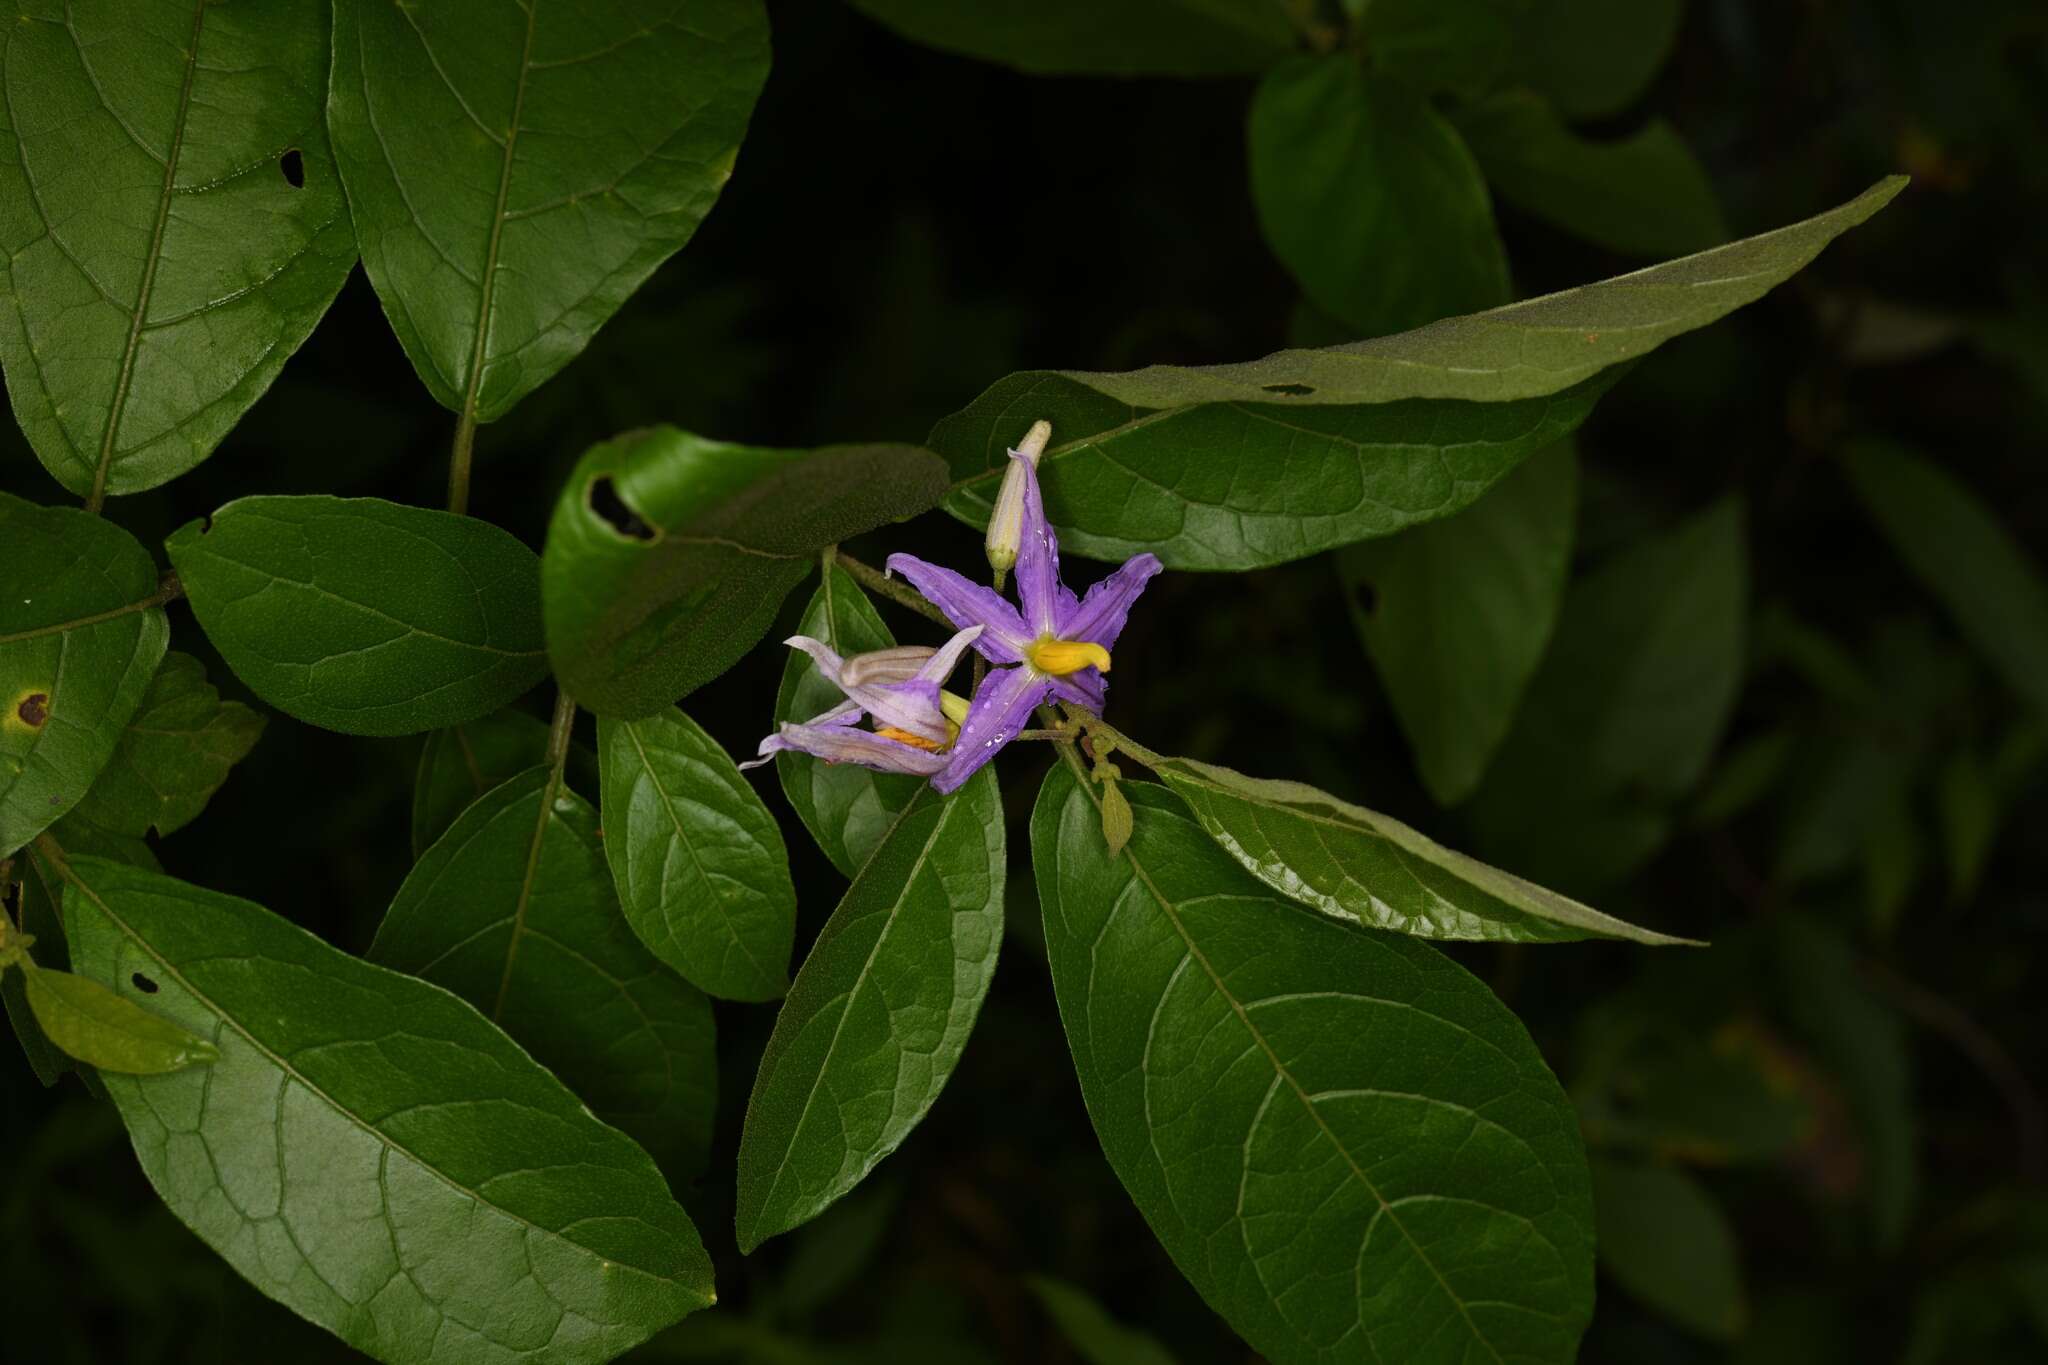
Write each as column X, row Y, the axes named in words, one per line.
column 1006, row 522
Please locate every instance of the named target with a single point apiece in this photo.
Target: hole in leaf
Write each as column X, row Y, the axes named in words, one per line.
column 605, row 501
column 1367, row 597
column 1291, row 390
column 144, row 984
column 294, row 167
column 33, row 709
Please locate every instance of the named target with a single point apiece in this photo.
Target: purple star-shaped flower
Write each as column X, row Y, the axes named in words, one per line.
column 1057, row 645
column 899, row 688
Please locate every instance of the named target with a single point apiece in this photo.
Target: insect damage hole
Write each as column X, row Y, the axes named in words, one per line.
column 33, row 710
column 294, row 167
column 612, row 510
column 1289, row 390
column 144, row 984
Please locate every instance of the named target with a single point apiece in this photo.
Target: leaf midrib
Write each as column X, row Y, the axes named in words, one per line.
column 487, row 283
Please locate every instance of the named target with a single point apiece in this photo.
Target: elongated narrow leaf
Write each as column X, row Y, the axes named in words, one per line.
column 699, row 861
column 1345, row 1142
column 1365, row 868
column 1089, row 38
column 173, row 756
column 1965, row 556
column 846, row 808
column 1663, row 1239
column 1350, row 172
column 365, row 616
column 171, row 225
column 1645, row 194
column 1244, row 485
column 98, row 1026
column 516, row 171
column 81, row 634
column 1526, row 349
column 1456, row 614
column 879, row 1013
column 669, row 554
column 1594, row 58
column 371, row 1152
column 513, row 910
column 1099, row 1338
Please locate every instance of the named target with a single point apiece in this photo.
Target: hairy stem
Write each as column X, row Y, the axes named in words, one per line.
column 902, row 594
column 558, row 735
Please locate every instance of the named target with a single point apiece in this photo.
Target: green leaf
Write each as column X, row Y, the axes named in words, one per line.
column 1594, row 58
column 879, row 1012
column 97, row 1026
column 1344, row 1141
column 1527, row 349
column 1964, row 555
column 365, row 616
column 699, row 861
column 1088, row 38
column 173, row 756
column 1456, row 615
column 1363, row 868
column 513, row 910
column 1643, row 195
column 371, row 1152
column 460, row 764
column 159, row 261
column 1456, row 45
column 1099, row 1338
column 1626, row 708
column 669, row 554
column 1349, row 172
column 1665, row 1241
column 82, row 630
column 514, row 181
column 846, row 808
column 1234, row 486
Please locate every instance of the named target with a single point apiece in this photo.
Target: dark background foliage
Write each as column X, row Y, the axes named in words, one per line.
column 906, row 226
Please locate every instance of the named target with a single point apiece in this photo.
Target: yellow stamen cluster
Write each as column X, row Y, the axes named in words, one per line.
column 1061, row 657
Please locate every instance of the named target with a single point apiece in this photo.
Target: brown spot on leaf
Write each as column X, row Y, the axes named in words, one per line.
column 34, row 709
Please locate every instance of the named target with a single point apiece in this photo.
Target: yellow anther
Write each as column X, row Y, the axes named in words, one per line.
column 1061, row 657
column 930, row 746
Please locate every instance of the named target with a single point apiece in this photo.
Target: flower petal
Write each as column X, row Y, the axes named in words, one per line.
column 1100, row 617
column 844, row 744
column 1038, row 560
column 1087, row 689
column 1001, row 708
column 968, row 604
column 912, row 706
column 940, row 666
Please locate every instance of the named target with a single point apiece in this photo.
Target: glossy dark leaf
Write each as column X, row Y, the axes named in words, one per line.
column 513, row 910
column 1349, row 172
column 1456, row 615
column 1086, row 37
column 1345, row 1142
column 879, row 1013
column 371, row 1152
column 669, row 554
column 846, row 808
column 698, row 860
column 516, row 172
column 1664, row 1240
column 159, row 266
column 95, row 1024
column 365, row 616
column 81, row 633
column 173, row 756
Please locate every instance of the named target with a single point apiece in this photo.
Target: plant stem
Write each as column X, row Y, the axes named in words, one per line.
column 1124, row 743
column 902, row 594
column 459, row 461
column 558, row 733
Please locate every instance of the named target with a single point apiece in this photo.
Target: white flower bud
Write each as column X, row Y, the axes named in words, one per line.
column 1006, row 522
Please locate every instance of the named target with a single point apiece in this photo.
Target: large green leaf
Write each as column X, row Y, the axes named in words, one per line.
column 846, row 807
column 1089, row 38
column 1534, row 347
column 1645, row 194
column 516, row 171
column 699, row 861
column 171, row 225
column 82, row 630
column 879, row 1013
column 1345, row 1142
column 1595, row 57
column 1625, row 710
column 1664, row 1240
column 1244, row 485
column 1370, row 198
column 513, row 910
column 1965, row 556
column 365, row 616
column 1456, row 614
column 669, row 554
column 173, row 756
column 97, row 1025
column 371, row 1152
